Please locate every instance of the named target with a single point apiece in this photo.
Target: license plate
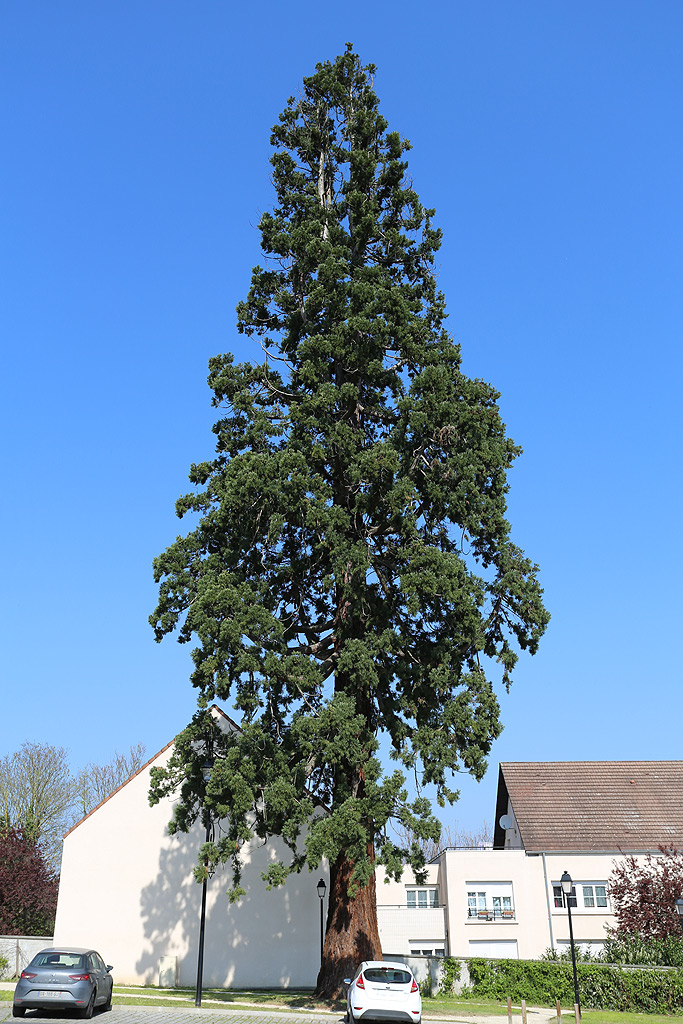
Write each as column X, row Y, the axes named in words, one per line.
column 51, row 995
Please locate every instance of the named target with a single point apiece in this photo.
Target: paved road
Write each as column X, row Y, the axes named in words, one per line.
column 181, row 1015
column 190, row 1015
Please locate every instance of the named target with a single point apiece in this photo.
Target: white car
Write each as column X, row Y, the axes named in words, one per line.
column 382, row 990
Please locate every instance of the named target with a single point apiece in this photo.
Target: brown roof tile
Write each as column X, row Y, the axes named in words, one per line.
column 593, row 805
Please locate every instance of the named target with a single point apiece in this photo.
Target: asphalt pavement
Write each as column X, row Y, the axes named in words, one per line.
column 190, row 1015
column 180, row 1015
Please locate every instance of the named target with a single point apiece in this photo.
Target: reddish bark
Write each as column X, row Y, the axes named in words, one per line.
column 352, row 934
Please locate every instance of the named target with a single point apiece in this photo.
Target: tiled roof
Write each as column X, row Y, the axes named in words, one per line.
column 631, row 806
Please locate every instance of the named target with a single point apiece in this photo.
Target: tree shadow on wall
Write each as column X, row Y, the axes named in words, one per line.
column 268, row 939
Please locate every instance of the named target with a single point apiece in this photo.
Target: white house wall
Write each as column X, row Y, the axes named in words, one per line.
column 127, row 889
column 535, row 924
column 402, row 930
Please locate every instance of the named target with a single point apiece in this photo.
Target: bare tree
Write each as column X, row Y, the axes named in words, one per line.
column 451, row 837
column 36, row 795
column 96, row 782
column 40, row 795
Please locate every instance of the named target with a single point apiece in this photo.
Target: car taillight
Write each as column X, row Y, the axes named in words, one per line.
column 360, row 983
column 27, row 974
column 79, row 977
column 413, row 987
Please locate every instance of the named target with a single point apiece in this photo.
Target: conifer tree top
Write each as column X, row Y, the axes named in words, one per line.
column 352, row 574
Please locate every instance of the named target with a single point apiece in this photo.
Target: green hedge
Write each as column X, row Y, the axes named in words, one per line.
column 451, row 971
column 600, row 987
column 635, row 949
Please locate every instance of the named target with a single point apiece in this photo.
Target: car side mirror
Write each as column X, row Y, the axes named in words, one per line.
column 109, row 968
column 347, row 981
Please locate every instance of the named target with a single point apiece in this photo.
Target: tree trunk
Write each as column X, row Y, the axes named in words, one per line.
column 352, row 934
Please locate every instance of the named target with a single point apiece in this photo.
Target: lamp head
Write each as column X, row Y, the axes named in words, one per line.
column 321, row 888
column 566, row 883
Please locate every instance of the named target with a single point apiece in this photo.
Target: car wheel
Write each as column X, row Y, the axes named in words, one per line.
column 86, row 1013
column 18, row 1011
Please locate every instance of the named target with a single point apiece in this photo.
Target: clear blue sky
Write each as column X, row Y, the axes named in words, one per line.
column 135, row 137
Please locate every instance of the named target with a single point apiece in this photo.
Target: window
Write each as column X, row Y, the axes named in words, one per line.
column 584, row 896
column 594, row 896
column 50, row 959
column 501, row 904
column 475, row 901
column 558, row 896
column 490, row 901
column 387, row 975
column 427, row 947
column 422, row 898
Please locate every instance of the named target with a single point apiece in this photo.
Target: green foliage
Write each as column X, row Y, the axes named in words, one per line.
column 425, row 987
column 581, row 955
column 634, row 949
column 601, row 987
column 4, row 964
column 352, row 571
column 452, row 970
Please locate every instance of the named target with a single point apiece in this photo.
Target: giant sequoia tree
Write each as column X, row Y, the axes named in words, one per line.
column 351, row 573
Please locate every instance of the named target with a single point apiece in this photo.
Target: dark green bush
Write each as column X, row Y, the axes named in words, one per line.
column 601, row 987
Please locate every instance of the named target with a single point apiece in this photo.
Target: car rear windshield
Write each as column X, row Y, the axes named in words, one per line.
column 387, row 975
column 56, row 959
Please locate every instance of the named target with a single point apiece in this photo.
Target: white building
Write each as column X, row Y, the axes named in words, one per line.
column 551, row 817
column 127, row 889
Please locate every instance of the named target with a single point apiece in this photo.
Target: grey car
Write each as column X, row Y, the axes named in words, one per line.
column 65, row 978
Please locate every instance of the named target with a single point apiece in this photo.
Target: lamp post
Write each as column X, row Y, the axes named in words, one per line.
column 321, row 889
column 566, row 882
column 679, row 910
column 206, row 772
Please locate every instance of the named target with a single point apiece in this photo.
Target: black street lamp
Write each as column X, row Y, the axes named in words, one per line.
column 206, row 772
column 321, row 890
column 679, row 910
column 566, row 882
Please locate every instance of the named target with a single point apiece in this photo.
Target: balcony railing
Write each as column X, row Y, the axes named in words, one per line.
column 491, row 914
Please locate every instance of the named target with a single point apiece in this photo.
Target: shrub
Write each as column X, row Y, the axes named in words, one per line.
column 452, row 970
column 601, row 987
column 636, row 949
column 644, row 892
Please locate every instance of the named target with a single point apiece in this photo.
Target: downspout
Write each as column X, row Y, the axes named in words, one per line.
column 547, row 900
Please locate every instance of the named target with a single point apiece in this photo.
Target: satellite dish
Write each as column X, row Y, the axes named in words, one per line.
column 506, row 822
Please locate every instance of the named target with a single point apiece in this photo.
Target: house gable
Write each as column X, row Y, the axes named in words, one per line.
column 592, row 806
